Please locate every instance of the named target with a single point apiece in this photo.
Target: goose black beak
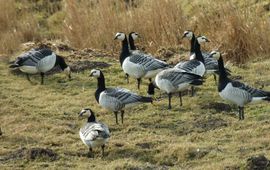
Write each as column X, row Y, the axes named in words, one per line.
column 91, row 75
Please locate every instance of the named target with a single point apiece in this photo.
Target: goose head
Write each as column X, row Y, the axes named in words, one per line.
column 215, row 54
column 188, row 34
column 120, row 36
column 89, row 113
column 95, row 73
column 134, row 35
column 202, row 39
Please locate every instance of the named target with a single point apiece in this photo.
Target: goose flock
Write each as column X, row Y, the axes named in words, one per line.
column 140, row 65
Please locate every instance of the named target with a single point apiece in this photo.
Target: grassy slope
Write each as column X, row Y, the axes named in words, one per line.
column 33, row 115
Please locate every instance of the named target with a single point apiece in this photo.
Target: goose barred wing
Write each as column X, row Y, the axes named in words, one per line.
column 32, row 57
column 252, row 91
column 123, row 95
column 188, row 66
column 147, row 61
column 177, row 77
column 211, row 64
column 91, row 131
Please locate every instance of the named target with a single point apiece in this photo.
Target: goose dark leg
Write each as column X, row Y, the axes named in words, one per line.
column 139, row 82
column 90, row 153
column 122, row 116
column 192, row 91
column 170, row 97
column 150, row 80
column 180, row 97
column 241, row 113
column 127, row 78
column 215, row 78
column 102, row 147
column 116, row 119
column 42, row 78
column 28, row 77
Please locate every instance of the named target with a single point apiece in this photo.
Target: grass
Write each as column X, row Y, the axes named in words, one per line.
column 195, row 136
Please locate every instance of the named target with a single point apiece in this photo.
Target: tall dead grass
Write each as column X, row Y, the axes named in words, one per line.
column 16, row 27
column 238, row 31
column 90, row 24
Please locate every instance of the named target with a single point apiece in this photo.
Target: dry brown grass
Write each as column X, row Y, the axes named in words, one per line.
column 16, row 27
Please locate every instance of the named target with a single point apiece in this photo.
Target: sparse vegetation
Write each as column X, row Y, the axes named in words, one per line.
column 39, row 123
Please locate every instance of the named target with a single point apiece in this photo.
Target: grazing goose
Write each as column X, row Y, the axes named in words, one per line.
column 173, row 80
column 115, row 99
column 40, row 61
column 93, row 133
column 235, row 91
column 138, row 65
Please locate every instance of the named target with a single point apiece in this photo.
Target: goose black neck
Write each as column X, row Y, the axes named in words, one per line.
column 125, row 50
column 223, row 79
column 131, row 42
column 91, row 118
column 192, row 44
column 198, row 53
column 101, row 82
column 100, row 87
column 61, row 62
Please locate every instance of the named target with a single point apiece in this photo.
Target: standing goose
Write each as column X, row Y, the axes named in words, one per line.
column 93, row 133
column 173, row 80
column 115, row 99
column 131, row 37
column 235, row 91
column 40, row 61
column 138, row 65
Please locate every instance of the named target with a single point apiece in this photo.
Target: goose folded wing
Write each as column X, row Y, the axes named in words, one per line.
column 93, row 131
column 252, row 91
column 147, row 61
column 188, row 66
column 123, row 95
column 177, row 77
column 31, row 58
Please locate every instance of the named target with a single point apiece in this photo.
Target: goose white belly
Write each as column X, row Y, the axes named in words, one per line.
column 165, row 85
column 109, row 103
column 29, row 69
column 46, row 63
column 133, row 69
column 235, row 95
column 152, row 73
column 94, row 143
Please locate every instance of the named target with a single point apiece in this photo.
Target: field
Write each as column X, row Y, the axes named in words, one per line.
column 40, row 123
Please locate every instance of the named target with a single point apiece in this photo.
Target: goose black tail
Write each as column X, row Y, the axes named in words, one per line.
column 146, row 99
column 197, row 82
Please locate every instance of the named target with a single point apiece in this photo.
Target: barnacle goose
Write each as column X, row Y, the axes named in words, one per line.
column 93, row 133
column 138, row 65
column 235, row 91
column 211, row 64
column 173, row 80
column 40, row 61
column 115, row 99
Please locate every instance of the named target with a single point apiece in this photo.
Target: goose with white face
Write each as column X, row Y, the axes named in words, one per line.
column 95, row 73
column 202, row 39
column 188, row 34
column 86, row 112
column 120, row 36
column 135, row 35
column 215, row 54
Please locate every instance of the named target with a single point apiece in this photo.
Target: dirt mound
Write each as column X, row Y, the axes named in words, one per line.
column 204, row 125
column 31, row 154
column 258, row 163
column 218, row 107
